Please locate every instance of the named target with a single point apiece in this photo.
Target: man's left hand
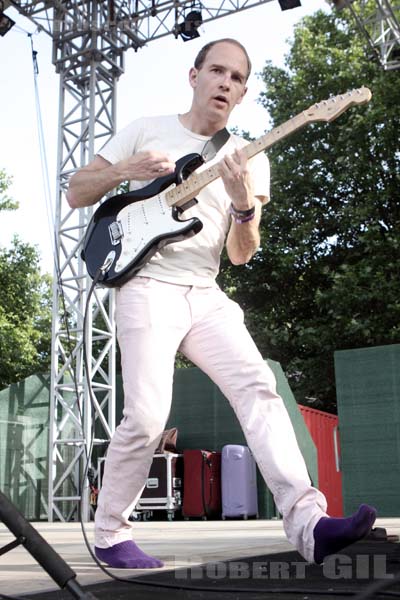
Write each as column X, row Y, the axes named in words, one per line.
column 237, row 179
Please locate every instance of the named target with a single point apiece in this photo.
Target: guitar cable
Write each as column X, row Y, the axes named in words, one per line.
column 367, row 594
column 370, row 590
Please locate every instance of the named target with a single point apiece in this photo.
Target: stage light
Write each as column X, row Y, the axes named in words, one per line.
column 188, row 30
column 5, row 22
column 288, row 4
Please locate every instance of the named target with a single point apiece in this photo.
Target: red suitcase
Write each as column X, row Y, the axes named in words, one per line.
column 201, row 484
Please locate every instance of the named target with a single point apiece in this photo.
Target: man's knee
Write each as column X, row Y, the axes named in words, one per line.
column 145, row 428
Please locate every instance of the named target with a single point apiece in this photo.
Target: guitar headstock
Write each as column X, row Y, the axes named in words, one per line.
column 330, row 109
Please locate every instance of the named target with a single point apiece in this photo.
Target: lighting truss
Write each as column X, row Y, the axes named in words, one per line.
column 379, row 23
column 86, row 120
column 130, row 23
column 382, row 30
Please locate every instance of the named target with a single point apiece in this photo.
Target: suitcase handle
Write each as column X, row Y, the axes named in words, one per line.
column 206, row 461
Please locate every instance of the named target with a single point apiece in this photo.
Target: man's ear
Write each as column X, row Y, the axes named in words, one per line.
column 242, row 96
column 193, row 77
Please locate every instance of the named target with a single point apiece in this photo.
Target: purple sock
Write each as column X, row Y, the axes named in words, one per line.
column 333, row 534
column 127, row 555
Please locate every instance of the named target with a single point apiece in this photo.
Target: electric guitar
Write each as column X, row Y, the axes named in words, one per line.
column 127, row 229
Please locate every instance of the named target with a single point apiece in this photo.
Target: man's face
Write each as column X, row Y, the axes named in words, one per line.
column 220, row 83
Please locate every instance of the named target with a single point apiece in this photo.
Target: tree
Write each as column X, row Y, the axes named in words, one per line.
column 327, row 274
column 25, row 313
column 6, row 203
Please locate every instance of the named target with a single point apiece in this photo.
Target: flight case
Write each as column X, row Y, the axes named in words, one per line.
column 163, row 489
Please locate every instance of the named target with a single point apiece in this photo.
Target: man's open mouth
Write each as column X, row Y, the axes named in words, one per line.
column 221, row 99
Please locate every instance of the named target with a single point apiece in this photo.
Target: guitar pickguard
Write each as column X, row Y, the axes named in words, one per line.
column 128, row 229
column 141, row 223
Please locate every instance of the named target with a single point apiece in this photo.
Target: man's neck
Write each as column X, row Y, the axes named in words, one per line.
column 201, row 126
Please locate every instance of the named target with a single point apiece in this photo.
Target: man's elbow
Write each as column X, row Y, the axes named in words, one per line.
column 240, row 258
column 71, row 199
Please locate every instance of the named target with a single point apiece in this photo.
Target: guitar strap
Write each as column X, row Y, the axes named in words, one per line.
column 213, row 146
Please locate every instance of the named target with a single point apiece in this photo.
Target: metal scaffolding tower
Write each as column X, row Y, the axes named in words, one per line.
column 89, row 42
column 382, row 30
column 380, row 25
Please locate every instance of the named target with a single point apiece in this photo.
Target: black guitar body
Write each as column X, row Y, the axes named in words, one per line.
column 128, row 229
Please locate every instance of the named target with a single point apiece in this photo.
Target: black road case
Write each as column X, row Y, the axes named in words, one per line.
column 163, row 489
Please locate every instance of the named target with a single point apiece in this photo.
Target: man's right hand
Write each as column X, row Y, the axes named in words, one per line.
column 88, row 185
column 146, row 165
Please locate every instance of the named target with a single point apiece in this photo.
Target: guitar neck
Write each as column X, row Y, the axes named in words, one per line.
column 189, row 188
column 327, row 110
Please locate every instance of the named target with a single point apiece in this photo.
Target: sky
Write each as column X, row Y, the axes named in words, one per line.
column 154, row 82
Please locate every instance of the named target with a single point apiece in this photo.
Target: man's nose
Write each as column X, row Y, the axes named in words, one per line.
column 226, row 81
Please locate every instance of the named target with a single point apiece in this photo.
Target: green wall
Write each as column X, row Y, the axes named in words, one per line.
column 368, row 396
column 24, row 429
column 199, row 411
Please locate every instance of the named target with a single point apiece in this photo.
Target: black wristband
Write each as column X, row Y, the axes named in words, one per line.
column 242, row 213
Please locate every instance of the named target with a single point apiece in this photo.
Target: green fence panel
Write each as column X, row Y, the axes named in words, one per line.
column 24, row 428
column 368, row 397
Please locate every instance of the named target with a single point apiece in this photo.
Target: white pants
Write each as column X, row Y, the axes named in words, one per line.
column 154, row 320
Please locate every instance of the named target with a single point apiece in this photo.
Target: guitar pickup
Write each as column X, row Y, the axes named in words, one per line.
column 116, row 232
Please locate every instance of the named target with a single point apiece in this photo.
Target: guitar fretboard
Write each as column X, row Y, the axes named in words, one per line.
column 327, row 110
column 189, row 188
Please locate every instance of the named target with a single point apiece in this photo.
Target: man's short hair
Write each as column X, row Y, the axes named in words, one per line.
column 201, row 57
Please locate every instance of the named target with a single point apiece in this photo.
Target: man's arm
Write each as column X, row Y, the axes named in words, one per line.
column 243, row 238
column 88, row 185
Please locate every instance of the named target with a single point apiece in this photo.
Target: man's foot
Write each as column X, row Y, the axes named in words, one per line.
column 333, row 534
column 127, row 555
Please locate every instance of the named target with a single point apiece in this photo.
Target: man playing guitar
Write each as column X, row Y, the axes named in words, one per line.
column 173, row 303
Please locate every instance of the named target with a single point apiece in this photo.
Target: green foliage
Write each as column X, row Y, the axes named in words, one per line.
column 25, row 313
column 6, row 203
column 327, row 274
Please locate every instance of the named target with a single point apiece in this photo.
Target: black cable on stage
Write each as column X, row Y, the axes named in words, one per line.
column 365, row 595
column 276, row 591
column 379, row 587
column 368, row 593
column 39, row 549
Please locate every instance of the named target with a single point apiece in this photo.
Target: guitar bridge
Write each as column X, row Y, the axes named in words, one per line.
column 116, row 232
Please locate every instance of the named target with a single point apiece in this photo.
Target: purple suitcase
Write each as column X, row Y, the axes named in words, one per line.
column 238, row 482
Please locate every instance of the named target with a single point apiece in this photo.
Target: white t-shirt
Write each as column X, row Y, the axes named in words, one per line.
column 193, row 261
